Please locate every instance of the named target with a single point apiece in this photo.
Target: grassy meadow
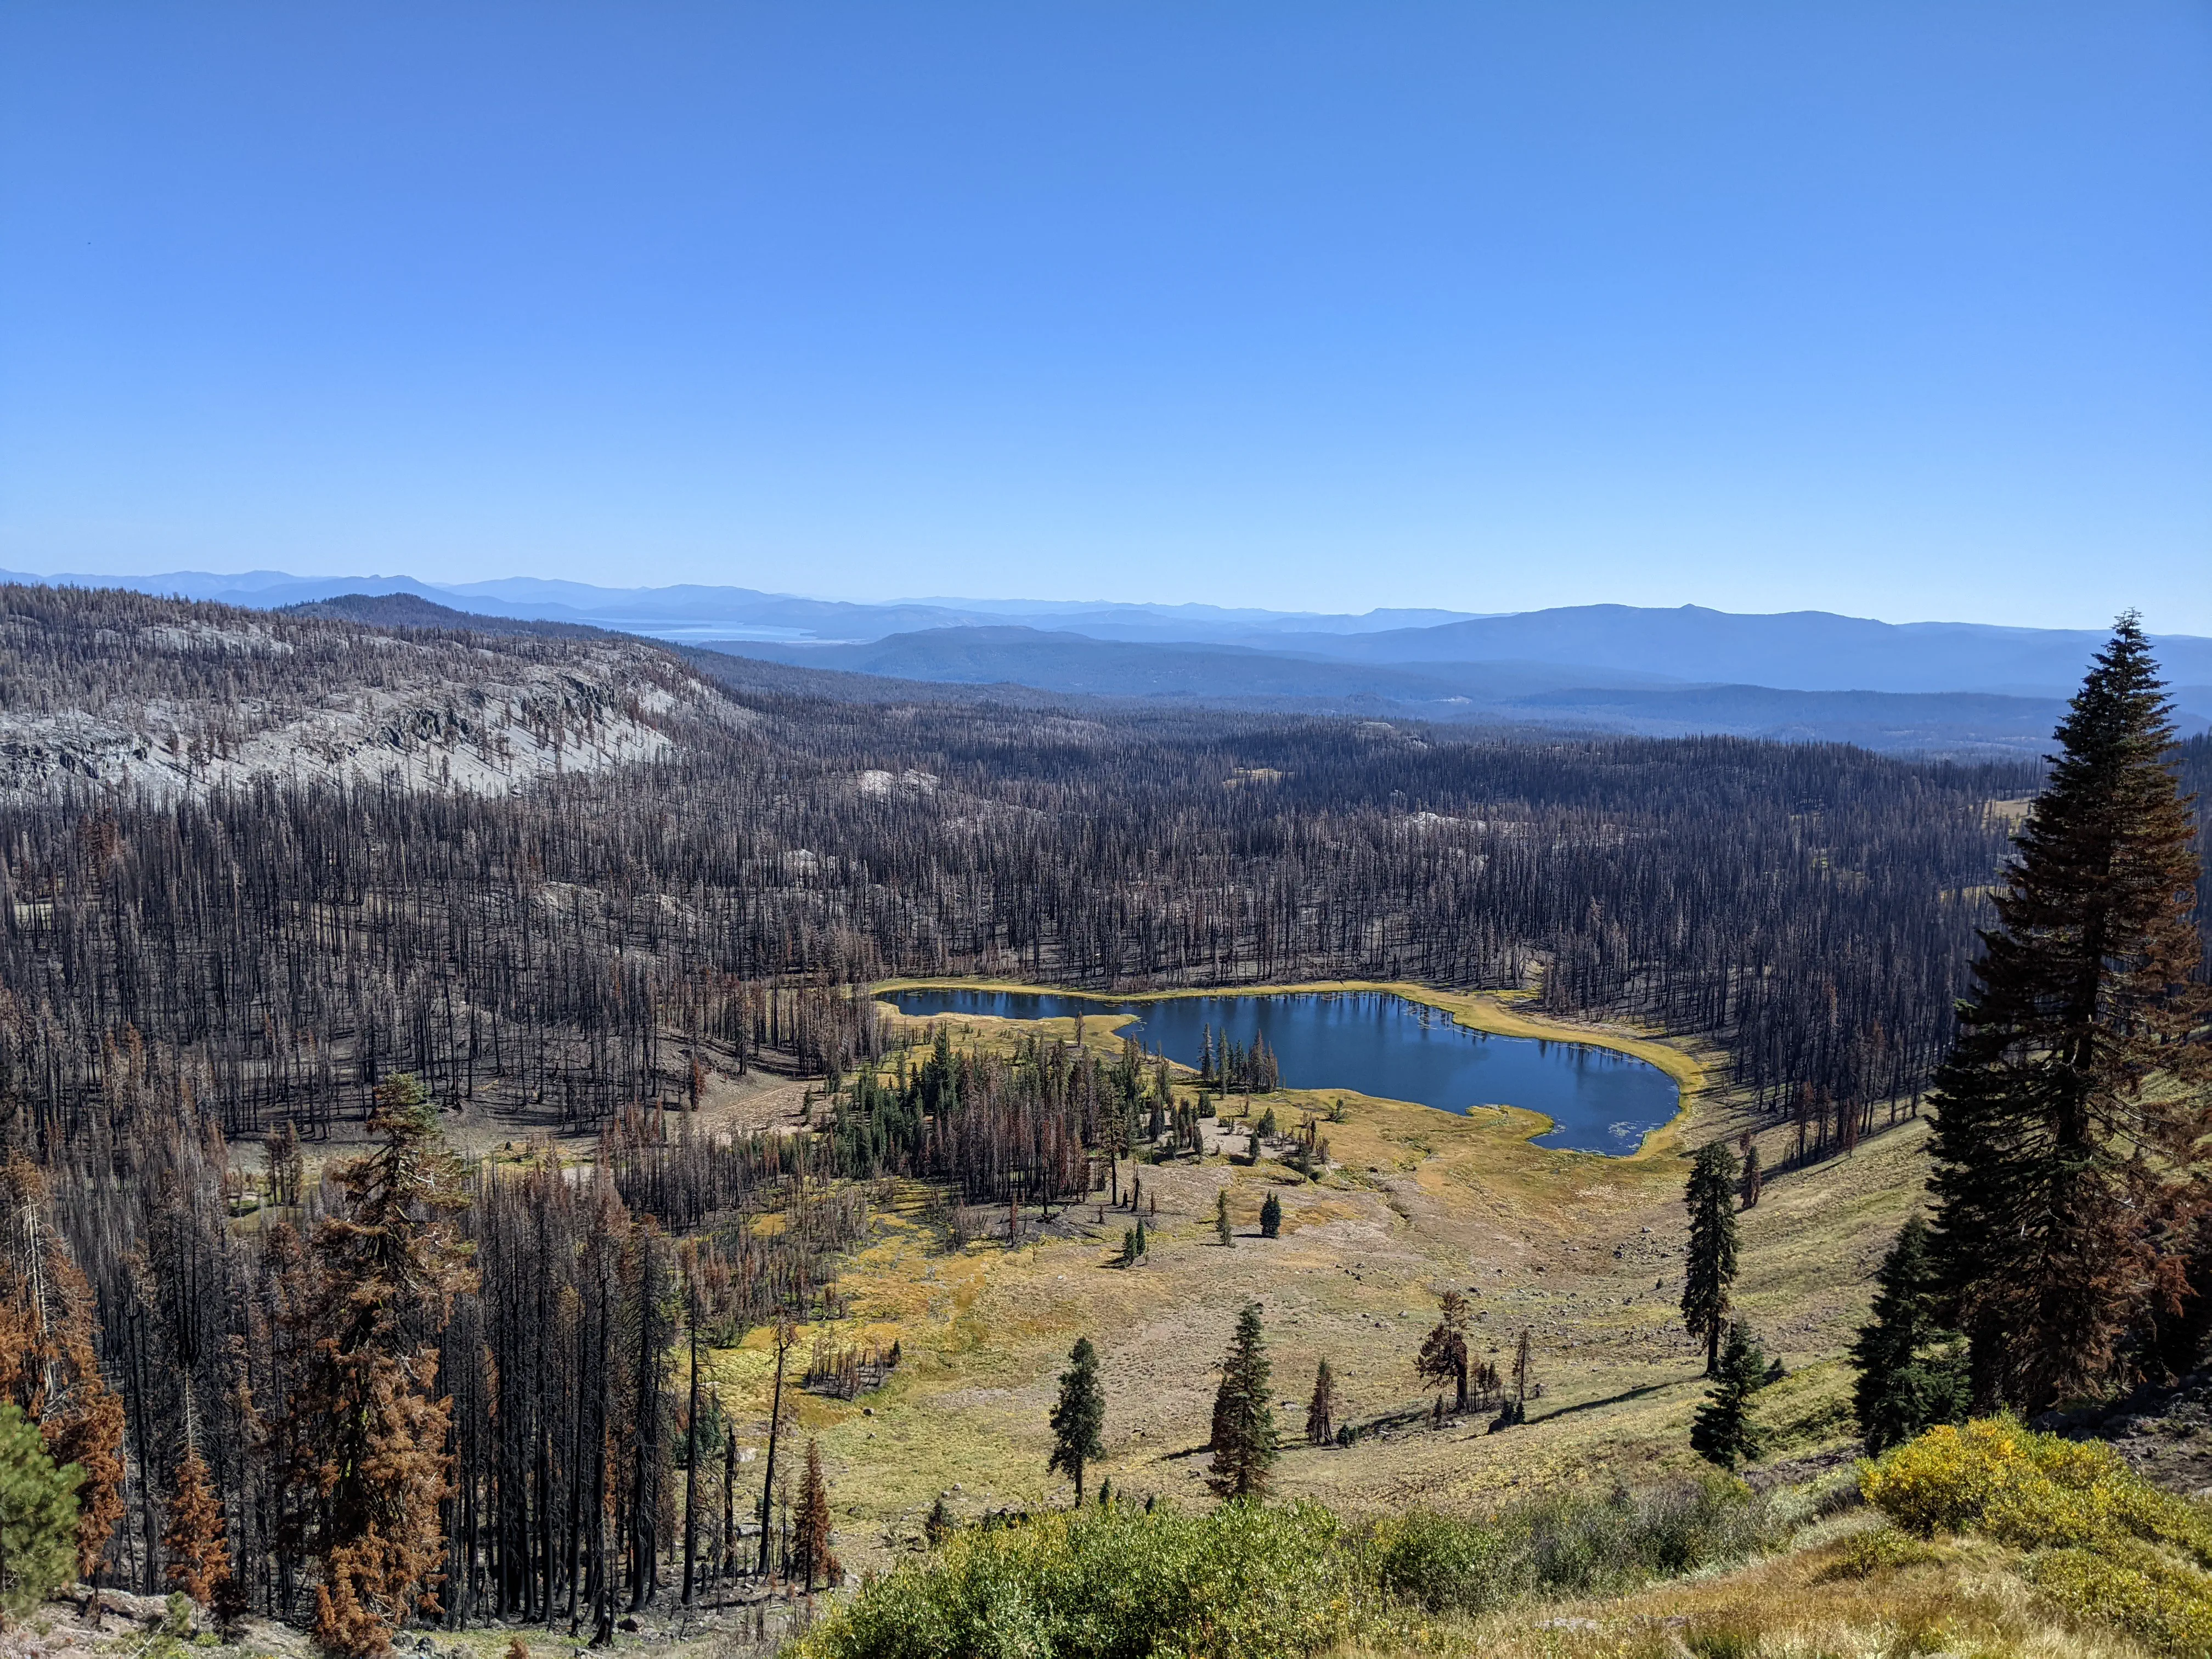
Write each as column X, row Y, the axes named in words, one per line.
column 1583, row 1251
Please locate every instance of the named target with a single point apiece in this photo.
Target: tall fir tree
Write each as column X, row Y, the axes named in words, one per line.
column 1710, row 1197
column 1723, row 1432
column 1912, row 1375
column 1244, row 1417
column 1078, row 1415
column 2069, row 1110
column 374, row 1292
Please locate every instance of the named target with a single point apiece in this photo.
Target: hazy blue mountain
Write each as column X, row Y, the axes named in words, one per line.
column 1581, row 696
column 1804, row 651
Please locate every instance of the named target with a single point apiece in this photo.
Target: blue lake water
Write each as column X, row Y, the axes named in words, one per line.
column 1599, row 1100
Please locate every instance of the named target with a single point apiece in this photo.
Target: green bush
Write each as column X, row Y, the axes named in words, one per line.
column 1242, row 1581
column 1571, row 1544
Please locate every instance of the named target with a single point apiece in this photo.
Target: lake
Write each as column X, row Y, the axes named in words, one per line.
column 1374, row 1043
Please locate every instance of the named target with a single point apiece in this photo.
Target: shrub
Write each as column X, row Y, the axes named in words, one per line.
column 1240, row 1583
column 2104, row 1542
column 2029, row 1490
column 1575, row 1545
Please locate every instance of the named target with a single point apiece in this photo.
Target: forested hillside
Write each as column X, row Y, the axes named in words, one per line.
column 250, row 934
column 559, row 950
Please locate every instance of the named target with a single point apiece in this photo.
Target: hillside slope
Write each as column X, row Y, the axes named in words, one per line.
column 112, row 689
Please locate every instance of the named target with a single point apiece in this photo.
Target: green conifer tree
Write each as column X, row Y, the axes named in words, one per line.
column 1912, row 1374
column 2069, row 1116
column 1722, row 1431
column 1244, row 1417
column 1221, row 1228
column 1710, row 1197
column 38, row 1516
column 1078, row 1415
column 1271, row 1218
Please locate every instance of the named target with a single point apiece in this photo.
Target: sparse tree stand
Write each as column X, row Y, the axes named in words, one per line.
column 1320, row 1410
column 1710, row 1197
column 1243, row 1419
column 1078, row 1415
column 1722, row 1431
column 2069, row 1112
column 38, row 1516
column 1912, row 1373
column 811, row 1549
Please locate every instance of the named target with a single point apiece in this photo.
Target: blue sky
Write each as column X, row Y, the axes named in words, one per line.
column 1903, row 310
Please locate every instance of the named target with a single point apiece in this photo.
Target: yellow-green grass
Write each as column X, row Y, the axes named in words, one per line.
column 1957, row 1596
column 1582, row 1250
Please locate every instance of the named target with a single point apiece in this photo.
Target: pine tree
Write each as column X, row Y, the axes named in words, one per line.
column 1443, row 1361
column 1320, row 1410
column 811, row 1547
column 2067, row 1114
column 38, row 1516
column 1271, row 1218
column 1221, row 1227
column 1078, row 1415
column 1722, row 1431
column 1754, row 1176
column 1710, row 1197
column 1911, row 1373
column 1243, row 1418
column 372, row 1294
column 198, row 1555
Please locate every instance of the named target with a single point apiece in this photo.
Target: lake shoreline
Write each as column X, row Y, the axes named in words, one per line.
column 1480, row 1013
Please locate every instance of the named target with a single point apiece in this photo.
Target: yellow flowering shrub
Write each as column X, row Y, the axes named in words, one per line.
column 2103, row 1542
column 2032, row 1491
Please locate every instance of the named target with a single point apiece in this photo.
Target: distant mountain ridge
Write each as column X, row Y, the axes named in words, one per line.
column 1445, row 663
column 1577, row 696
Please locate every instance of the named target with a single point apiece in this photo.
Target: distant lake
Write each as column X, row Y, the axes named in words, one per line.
column 1599, row 1100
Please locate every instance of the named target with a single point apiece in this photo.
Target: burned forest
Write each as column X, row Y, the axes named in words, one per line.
column 280, row 894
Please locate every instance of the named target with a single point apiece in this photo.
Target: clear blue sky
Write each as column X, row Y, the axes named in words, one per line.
column 1903, row 310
